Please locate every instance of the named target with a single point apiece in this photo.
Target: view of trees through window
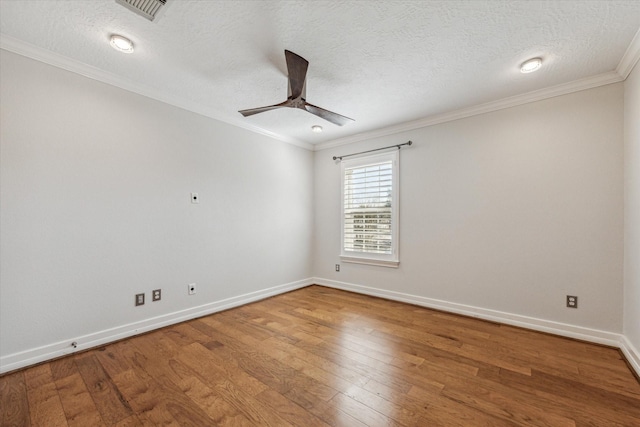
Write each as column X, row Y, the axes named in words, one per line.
column 367, row 208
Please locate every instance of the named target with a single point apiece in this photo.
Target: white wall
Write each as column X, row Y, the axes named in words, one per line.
column 502, row 213
column 95, row 187
column 632, row 212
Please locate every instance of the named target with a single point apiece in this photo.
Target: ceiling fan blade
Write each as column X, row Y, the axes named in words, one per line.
column 252, row 111
column 330, row 116
column 297, row 68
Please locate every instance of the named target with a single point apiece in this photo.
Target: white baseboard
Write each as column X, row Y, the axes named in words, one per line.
column 51, row 351
column 556, row 328
column 33, row 356
column 631, row 354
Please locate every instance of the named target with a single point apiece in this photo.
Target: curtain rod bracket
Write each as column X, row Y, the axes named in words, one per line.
column 369, row 151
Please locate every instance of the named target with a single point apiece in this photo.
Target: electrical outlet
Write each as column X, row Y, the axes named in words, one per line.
column 192, row 288
column 337, row 267
column 572, row 301
column 195, row 198
column 139, row 299
column 156, row 295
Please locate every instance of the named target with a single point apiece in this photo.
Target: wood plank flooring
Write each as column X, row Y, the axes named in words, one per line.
column 323, row 357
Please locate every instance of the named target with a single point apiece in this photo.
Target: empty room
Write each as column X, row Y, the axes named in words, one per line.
column 319, row 213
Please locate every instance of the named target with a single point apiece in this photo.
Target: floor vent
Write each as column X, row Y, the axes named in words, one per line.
column 147, row 8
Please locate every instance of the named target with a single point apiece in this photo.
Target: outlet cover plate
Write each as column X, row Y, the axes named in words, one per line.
column 139, row 299
column 572, row 301
column 156, row 295
column 191, row 287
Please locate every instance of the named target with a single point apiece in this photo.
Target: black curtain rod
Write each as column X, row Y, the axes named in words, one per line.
column 370, row 151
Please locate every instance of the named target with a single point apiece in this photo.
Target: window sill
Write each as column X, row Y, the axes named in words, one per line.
column 369, row 261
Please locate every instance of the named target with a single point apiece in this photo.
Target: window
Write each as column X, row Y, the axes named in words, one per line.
column 370, row 210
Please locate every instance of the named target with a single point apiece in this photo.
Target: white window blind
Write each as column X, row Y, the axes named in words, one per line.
column 369, row 209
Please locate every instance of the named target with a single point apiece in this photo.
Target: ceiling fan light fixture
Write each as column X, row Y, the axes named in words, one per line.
column 121, row 44
column 316, row 129
column 531, row 65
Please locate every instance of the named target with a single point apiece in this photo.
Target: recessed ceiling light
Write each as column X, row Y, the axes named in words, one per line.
column 121, row 44
column 531, row 65
column 316, row 128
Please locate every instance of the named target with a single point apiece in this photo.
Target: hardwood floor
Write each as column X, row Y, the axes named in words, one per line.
column 323, row 357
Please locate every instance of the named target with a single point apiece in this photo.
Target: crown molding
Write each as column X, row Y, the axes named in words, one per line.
column 513, row 101
column 628, row 61
column 51, row 58
column 630, row 57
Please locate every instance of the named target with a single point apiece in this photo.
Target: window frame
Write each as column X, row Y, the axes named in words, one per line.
column 358, row 257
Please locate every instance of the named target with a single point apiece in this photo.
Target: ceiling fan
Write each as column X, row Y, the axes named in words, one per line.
column 297, row 97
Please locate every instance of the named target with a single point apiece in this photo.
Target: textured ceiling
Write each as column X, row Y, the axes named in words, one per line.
column 380, row 62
